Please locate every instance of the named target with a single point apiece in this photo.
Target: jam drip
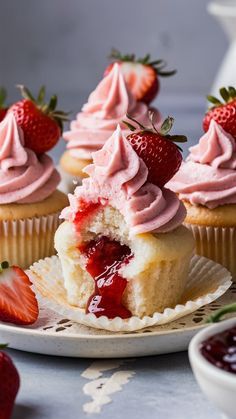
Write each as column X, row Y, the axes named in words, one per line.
column 86, row 210
column 105, row 258
column 220, row 350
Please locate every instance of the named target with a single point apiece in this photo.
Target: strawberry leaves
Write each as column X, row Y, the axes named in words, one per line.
column 217, row 316
column 157, row 65
column 164, row 130
column 3, row 96
column 41, row 121
column 47, row 108
column 227, row 94
column 222, row 111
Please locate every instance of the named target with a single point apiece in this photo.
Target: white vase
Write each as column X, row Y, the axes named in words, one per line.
column 225, row 13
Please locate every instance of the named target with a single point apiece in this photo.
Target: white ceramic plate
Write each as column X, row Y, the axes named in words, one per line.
column 54, row 335
column 206, row 282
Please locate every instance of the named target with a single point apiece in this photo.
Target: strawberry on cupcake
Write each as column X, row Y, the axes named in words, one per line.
column 223, row 111
column 142, row 75
column 41, row 122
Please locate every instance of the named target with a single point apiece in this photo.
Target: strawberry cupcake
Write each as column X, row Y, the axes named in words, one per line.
column 29, row 200
column 122, row 247
column 107, row 106
column 206, row 183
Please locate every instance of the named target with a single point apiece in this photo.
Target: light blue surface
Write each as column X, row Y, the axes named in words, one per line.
column 162, row 388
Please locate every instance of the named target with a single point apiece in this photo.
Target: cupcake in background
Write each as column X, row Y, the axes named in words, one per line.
column 206, row 183
column 29, row 200
column 128, row 87
column 107, row 106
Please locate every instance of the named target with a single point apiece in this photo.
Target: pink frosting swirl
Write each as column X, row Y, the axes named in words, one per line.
column 24, row 177
column 208, row 177
column 118, row 176
column 107, row 106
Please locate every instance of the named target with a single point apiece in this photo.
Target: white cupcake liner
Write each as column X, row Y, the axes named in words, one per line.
column 68, row 182
column 207, row 281
column 25, row 241
column 216, row 243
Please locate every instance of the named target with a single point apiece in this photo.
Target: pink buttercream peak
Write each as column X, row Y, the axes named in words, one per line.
column 12, row 152
column 119, row 177
column 111, row 98
column 24, row 176
column 107, row 106
column 208, row 177
column 216, row 147
column 118, row 163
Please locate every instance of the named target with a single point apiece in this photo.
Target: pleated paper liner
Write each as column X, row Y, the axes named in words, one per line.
column 216, row 243
column 25, row 240
column 207, row 281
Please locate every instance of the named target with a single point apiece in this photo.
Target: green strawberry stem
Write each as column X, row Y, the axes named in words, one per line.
column 158, row 65
column 134, row 120
column 166, row 125
column 4, row 265
column 216, row 317
column 41, row 95
column 164, row 130
column 47, row 108
column 3, row 96
column 227, row 94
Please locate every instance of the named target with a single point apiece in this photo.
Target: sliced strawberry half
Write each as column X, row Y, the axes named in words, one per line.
column 140, row 74
column 18, row 302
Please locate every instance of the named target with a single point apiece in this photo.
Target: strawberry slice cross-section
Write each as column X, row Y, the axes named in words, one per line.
column 18, row 303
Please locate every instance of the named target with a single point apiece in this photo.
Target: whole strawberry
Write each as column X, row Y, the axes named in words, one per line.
column 224, row 113
column 141, row 75
column 18, row 303
column 41, row 123
column 157, row 149
column 9, row 384
column 3, row 107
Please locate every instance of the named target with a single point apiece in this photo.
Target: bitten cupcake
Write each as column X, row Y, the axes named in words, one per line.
column 29, row 201
column 206, row 183
column 122, row 247
column 107, row 106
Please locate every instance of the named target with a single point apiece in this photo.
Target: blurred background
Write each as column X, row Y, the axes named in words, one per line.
column 64, row 45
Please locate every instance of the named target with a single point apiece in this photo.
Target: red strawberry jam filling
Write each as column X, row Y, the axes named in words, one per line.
column 220, row 350
column 105, row 258
column 86, row 209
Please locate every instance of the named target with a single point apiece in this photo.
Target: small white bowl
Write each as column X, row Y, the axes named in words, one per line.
column 218, row 385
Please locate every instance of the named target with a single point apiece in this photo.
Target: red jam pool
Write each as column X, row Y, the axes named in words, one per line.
column 220, row 350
